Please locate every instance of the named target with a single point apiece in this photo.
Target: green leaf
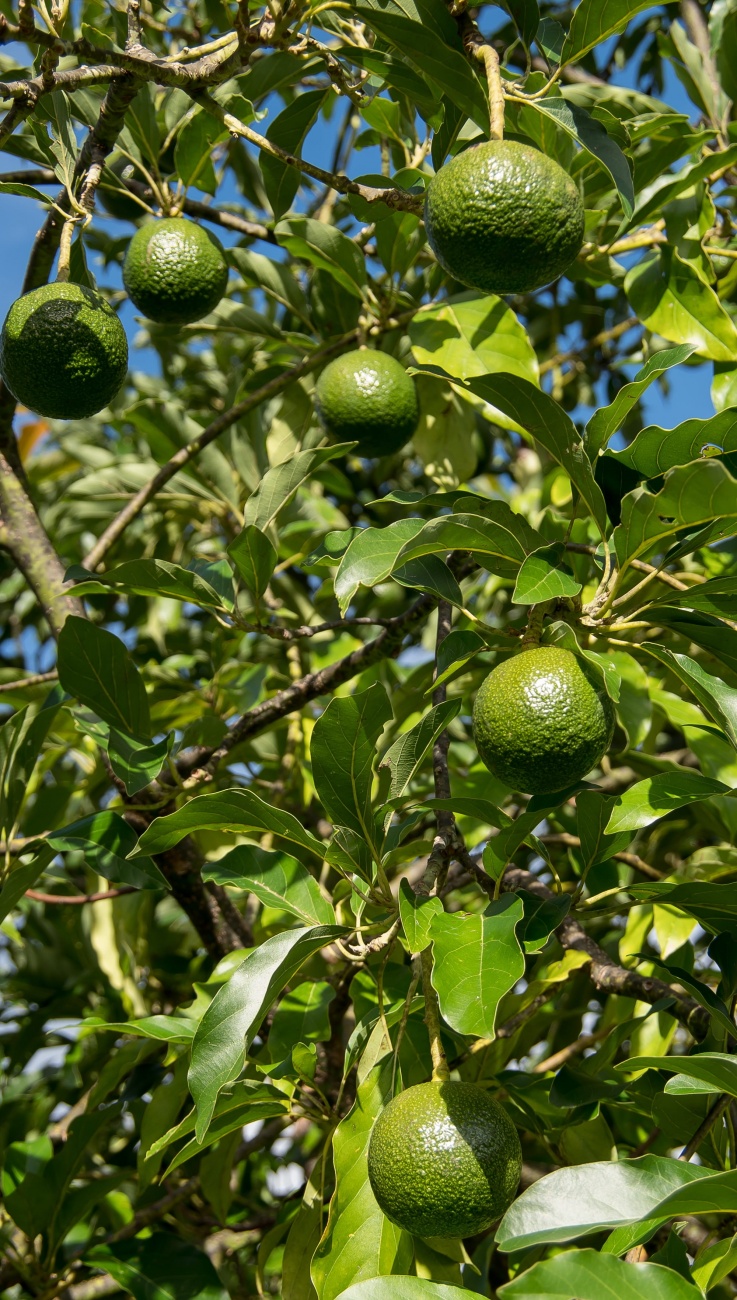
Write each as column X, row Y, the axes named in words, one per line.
column 594, row 22
column 649, row 800
column 713, row 905
column 715, row 1263
column 525, row 15
column 671, row 299
column 496, row 545
column 656, row 450
column 370, row 558
column 325, row 248
column 280, row 483
column 711, row 634
column 23, row 876
column 288, row 131
column 717, row 698
column 592, row 136
column 716, row 1069
column 359, row 1241
column 254, row 558
column 107, row 842
column 232, row 1019
column 160, row 1267
column 136, row 764
column 24, row 191
column 21, row 742
column 476, row 960
column 417, row 914
column 343, row 749
column 237, row 811
column 402, row 1288
column 303, row 1016
column 718, row 596
column 589, row 1276
column 605, row 422
column 667, row 188
column 38, row 1201
column 149, row 578
column 442, row 62
column 276, row 880
column 454, row 653
column 431, row 574
column 694, row 496
column 193, row 152
column 262, row 1099
column 404, row 757
column 593, row 811
column 543, row 576
column 548, row 423
column 95, row 667
column 166, row 1029
column 468, row 336
column 568, row 1203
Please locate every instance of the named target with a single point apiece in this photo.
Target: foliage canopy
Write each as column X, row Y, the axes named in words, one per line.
column 256, row 879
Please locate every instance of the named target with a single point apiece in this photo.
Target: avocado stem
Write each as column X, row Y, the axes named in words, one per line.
column 490, row 59
column 65, row 250
column 533, row 632
column 440, row 1070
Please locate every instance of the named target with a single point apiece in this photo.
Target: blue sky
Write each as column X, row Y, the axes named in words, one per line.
column 689, row 385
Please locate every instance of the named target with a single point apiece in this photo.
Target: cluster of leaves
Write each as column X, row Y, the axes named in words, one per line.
column 225, row 778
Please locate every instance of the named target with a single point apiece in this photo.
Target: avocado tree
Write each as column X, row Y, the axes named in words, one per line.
column 292, row 911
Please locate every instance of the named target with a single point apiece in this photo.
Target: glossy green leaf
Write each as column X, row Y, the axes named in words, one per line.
column 592, row 136
column 232, row 1019
column 593, row 22
column 548, row 423
column 656, row 450
column 404, row 757
column 95, row 667
column 370, row 558
column 712, row 634
column 160, row 1267
column 443, row 64
column 714, row 695
column 343, row 749
column 276, row 880
column 107, row 842
column 476, row 960
column 254, row 558
column 469, row 335
column 543, row 576
column 656, row 796
column 303, row 1016
column 359, row 1241
column 716, row 1069
column 712, row 904
column 236, row 811
column 327, row 249
column 593, row 811
column 589, row 1276
column 671, row 299
column 288, row 131
column 569, row 1203
column 281, row 482
column 495, row 544
column 605, row 422
column 149, row 578
column 401, row 1288
column 23, row 876
column 718, row 596
column 417, row 914
column 694, row 496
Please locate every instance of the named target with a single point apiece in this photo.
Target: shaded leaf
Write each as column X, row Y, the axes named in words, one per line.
column 476, row 960
column 404, row 757
column 343, row 749
column 95, row 667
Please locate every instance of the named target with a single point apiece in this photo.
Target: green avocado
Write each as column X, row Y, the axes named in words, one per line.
column 504, row 218
column 175, row 271
column 63, row 351
column 542, row 721
column 367, row 397
column 444, row 1160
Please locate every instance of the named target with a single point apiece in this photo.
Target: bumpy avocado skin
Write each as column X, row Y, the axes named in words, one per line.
column 63, row 351
column 444, row 1160
column 541, row 721
column 504, row 218
column 175, row 271
column 367, row 397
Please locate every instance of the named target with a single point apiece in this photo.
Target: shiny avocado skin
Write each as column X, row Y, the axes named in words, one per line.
column 63, row 351
column 175, row 271
column 542, row 721
column 366, row 396
column 504, row 218
column 444, row 1160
